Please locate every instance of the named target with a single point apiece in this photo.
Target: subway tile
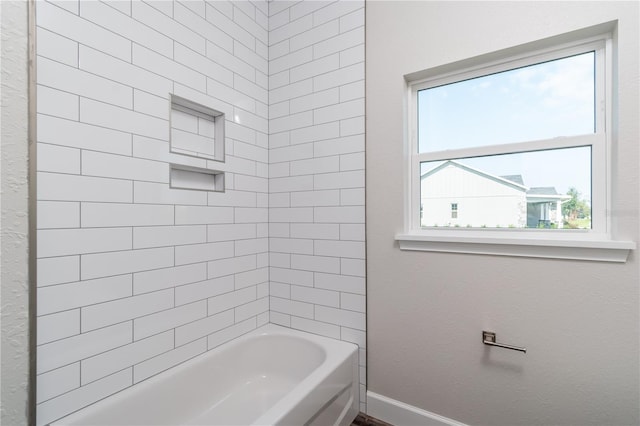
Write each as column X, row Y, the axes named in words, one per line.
column 277, row 140
column 339, row 180
column 169, row 319
column 241, row 51
column 352, row 20
column 58, row 326
column 278, row 19
column 279, row 230
column 341, row 317
column 259, row 245
column 291, row 307
column 59, row 187
column 121, row 167
column 169, row 359
column 291, row 153
column 251, row 278
column 315, row 100
column 290, row 91
column 351, row 249
column 66, row 351
column 203, row 327
column 154, row 193
column 62, row 242
column 279, row 170
column 171, row 28
column 251, row 183
column 197, row 6
column 124, row 72
column 291, row 245
column 57, row 270
column 352, row 197
column 353, row 91
column 339, row 77
column 339, row 43
column 279, row 318
column 108, row 313
column 101, row 114
column 81, row 397
column 218, row 338
column 79, row 82
column 162, row 6
column 149, row 104
column 280, row 290
column 228, row 232
column 315, row 198
column 290, row 29
column 316, row 327
column 336, row 10
column 218, row 78
column 73, row 27
column 232, row 265
column 144, row 282
column 277, row 50
column 160, row 236
column 353, row 232
column 290, row 215
column 354, row 267
column 316, row 34
column 352, row 55
column 218, row 55
column 58, row 214
column 249, row 21
column 322, row 168
column 73, row 295
column 316, row 263
column 230, row 300
column 251, row 215
column 252, row 309
column 58, row 159
column 57, row 103
column 306, row 7
column 195, row 253
column 107, row 363
column 359, row 337
column 349, row 214
column 201, row 26
column 81, row 135
column 316, row 133
column 124, row 262
column 56, row 47
column 316, row 231
column 249, row 119
column 123, row 25
column 352, row 126
column 204, row 289
column 316, row 296
column 122, row 6
column 195, row 215
column 353, row 302
column 341, row 283
column 250, row 152
column 114, row 214
column 57, row 382
column 339, row 111
column 240, row 133
column 292, row 276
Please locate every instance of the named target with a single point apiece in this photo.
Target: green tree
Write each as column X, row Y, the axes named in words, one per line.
column 576, row 207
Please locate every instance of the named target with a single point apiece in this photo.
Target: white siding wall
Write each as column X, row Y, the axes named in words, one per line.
column 481, row 201
column 136, row 277
column 316, row 169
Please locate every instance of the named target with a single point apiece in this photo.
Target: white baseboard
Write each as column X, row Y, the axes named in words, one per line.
column 400, row 414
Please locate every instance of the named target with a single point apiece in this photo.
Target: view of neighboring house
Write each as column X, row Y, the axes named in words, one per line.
column 454, row 194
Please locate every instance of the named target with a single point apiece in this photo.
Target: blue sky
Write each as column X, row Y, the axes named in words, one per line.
column 548, row 100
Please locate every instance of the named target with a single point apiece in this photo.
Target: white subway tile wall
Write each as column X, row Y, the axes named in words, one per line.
column 316, row 170
column 135, row 277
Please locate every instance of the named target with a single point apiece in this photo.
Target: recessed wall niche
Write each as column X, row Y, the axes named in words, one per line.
column 196, row 130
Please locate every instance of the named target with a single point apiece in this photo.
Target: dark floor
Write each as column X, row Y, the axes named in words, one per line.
column 364, row 420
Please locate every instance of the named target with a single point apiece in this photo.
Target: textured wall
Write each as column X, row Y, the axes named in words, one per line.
column 135, row 277
column 14, row 207
column 578, row 320
column 316, row 169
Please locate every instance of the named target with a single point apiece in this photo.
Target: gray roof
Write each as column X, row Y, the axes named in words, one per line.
column 543, row 190
column 514, row 178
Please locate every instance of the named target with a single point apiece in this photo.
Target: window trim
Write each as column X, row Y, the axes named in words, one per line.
column 595, row 244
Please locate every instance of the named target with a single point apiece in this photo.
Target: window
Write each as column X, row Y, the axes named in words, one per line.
column 523, row 142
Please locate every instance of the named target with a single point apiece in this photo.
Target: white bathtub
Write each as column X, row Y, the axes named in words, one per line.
column 271, row 376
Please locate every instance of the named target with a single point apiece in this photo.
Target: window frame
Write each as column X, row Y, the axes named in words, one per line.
column 594, row 244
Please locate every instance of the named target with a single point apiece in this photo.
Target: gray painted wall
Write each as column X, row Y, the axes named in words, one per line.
column 15, row 219
column 426, row 311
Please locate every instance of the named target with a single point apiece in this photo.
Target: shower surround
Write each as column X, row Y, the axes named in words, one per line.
column 135, row 277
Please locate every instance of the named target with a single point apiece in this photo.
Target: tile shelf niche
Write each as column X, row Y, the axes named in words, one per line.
column 196, row 131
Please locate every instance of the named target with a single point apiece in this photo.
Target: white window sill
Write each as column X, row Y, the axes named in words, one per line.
column 523, row 245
